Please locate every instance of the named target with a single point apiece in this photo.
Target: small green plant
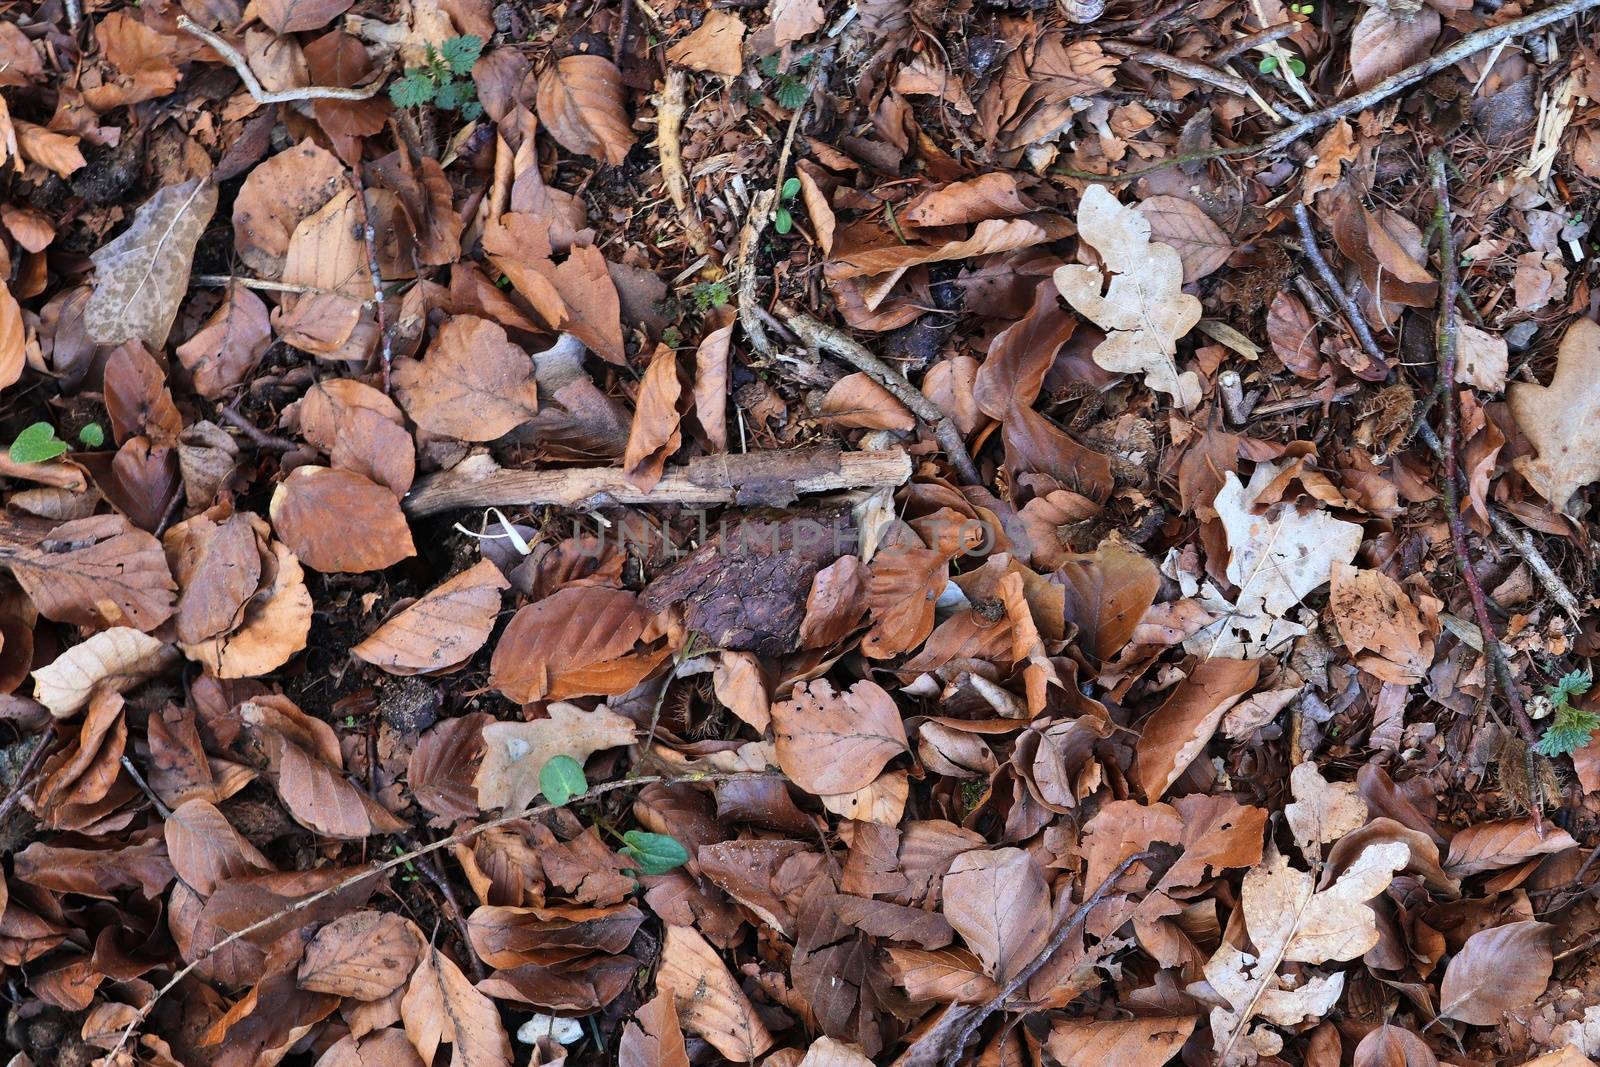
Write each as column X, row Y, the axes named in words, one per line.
column 37, row 444
column 653, row 853
column 561, row 779
column 708, row 295
column 788, row 89
column 1269, row 64
column 1303, row 9
column 1570, row 728
column 783, row 220
column 92, row 436
column 443, row 82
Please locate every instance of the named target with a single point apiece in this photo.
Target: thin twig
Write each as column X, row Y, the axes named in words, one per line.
column 1059, row 938
column 429, row 866
column 669, row 147
column 25, row 774
column 264, row 285
column 399, row 861
column 1352, row 310
column 266, row 442
column 1255, row 40
column 817, row 335
column 1446, row 346
column 1195, row 70
column 241, row 67
column 144, row 786
column 1468, row 46
column 385, row 342
column 1522, row 542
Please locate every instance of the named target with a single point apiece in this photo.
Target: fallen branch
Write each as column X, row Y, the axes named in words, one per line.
column 264, row 285
column 816, row 335
column 1352, row 310
column 370, row 237
column 1255, row 40
column 1468, row 46
column 399, row 861
column 669, row 146
column 241, row 67
column 750, row 477
column 1195, row 70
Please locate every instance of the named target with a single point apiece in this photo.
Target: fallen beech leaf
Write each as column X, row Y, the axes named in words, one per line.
column 515, row 752
column 1562, row 419
column 1384, row 42
column 943, row 975
column 1143, row 310
column 297, row 16
column 306, row 769
column 1180, row 224
column 710, row 1003
column 1293, row 336
column 1480, row 358
column 275, row 197
column 218, row 567
column 443, row 766
column 338, row 521
column 580, row 101
column 880, row 918
column 1123, row 1042
column 13, row 339
column 1179, row 730
column 388, row 1047
column 1392, row 1046
column 1497, row 971
column 652, row 1038
column 1490, row 846
column 442, row 629
column 654, row 436
column 277, row 621
column 988, row 196
column 1107, row 593
column 57, row 152
column 904, row 583
column 366, row 955
column 120, row 658
column 141, row 276
column 858, row 402
column 830, row 742
column 571, row 643
column 225, row 350
column 1374, row 613
column 1000, row 905
column 441, row 1005
column 716, row 46
column 96, row 572
column 989, row 236
column 82, row 773
column 206, row 850
column 474, row 385
column 826, row 1052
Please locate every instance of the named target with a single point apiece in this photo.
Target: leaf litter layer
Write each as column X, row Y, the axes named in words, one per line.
column 799, row 534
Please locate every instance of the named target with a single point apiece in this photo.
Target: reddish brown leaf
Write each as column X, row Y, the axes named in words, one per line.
column 335, row 520
column 441, row 630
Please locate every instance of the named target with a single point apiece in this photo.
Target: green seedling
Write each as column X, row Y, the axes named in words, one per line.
column 38, row 444
column 1570, row 728
column 561, row 779
column 443, row 81
column 783, row 219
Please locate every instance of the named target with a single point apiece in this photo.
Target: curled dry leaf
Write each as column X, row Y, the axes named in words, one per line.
column 120, row 658
column 830, row 742
column 710, row 1003
column 142, row 275
column 653, row 1038
column 1393, row 1046
column 366, row 955
column 474, row 385
column 1123, row 1042
column 1180, row 224
column 273, row 199
column 1000, row 905
column 576, row 642
column 1143, row 309
column 858, row 402
column 1385, row 41
column 1374, row 614
column 515, row 752
column 226, row 348
column 205, row 850
column 338, row 521
column 13, row 339
column 1183, row 725
column 441, row 1006
column 1497, row 971
column 1490, row 846
column 580, row 102
column 277, row 622
column 654, row 436
column 443, row 766
column 442, row 629
column 716, row 46
column 218, row 567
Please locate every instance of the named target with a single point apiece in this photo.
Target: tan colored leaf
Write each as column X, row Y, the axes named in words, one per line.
column 1180, row 224
column 83, row 772
column 306, row 768
column 474, row 384
column 1000, row 905
column 366, row 955
column 826, row 1052
column 652, row 1038
column 989, row 236
column 989, row 196
column 711, row 379
column 654, row 435
column 1107, row 593
column 1392, row 1046
column 1497, row 971
column 738, row 683
column 830, row 742
column 57, row 152
column 96, row 572
column 13, row 339
column 856, row 401
column 440, row 1005
column 142, row 275
column 515, row 752
column 710, row 1003
column 882, row 800
column 1293, row 336
column 905, row 580
column 273, row 199
column 943, row 975
column 1480, row 358
column 1122, row 1042
column 388, row 1047
column 1383, row 43
column 222, row 352
column 1490, row 846
column 120, row 657
column 443, row 765
column 218, row 567
column 1179, row 730
column 563, row 645
column 1322, row 811
column 581, row 102
column 338, row 521
column 1374, row 613
column 297, row 16
column 880, row 918
column 1562, row 419
column 441, row 630
column 206, row 850
column 716, row 47
column 1143, row 309
column 277, row 621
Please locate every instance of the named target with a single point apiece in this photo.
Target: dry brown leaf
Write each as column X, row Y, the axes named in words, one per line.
column 654, row 435
column 442, row 767
column 306, row 769
column 1107, row 593
column 905, row 580
column 96, row 572
column 57, row 152
column 989, row 236
column 275, row 197
column 1392, row 1046
column 222, row 352
column 942, row 975
column 576, row 642
column 218, row 568
column 142, row 275
column 13, row 339
column 206, row 850
column 440, row 1005
column 581, row 102
column 1180, row 224
column 652, row 1038
column 832, row 743
column 1179, row 730
column 710, row 1003
column 442, row 629
column 1497, row 971
column 79, row 776
column 120, row 658
column 826, row 1052
column 387, row 1047
column 474, row 385
column 1490, row 846
column 1481, row 358
column 1119, row 1042
column 857, row 401
column 1383, row 43
column 297, row 16
column 1322, row 811
column 338, row 521
column 716, row 46
column 1562, row 419
column 366, row 955
column 1143, row 309
column 277, row 621
column 1000, row 905
column 515, row 752
column 1374, row 614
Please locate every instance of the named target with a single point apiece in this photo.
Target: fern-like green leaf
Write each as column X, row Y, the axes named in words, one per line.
column 451, row 95
column 413, row 90
column 460, row 53
column 1570, row 731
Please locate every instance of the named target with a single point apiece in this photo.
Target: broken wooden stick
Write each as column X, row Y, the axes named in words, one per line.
column 756, row 478
column 262, row 95
column 669, row 144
